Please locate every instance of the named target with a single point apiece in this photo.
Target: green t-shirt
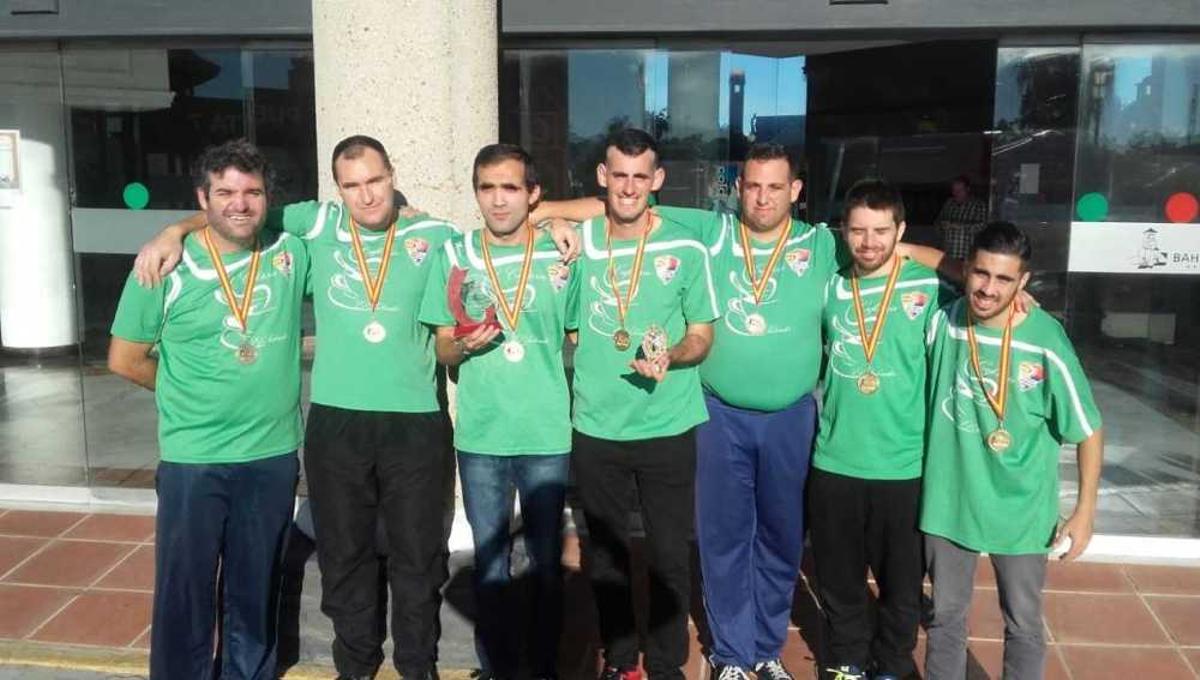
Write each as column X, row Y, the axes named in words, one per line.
column 512, row 398
column 213, row 408
column 675, row 289
column 765, row 356
column 879, row 435
column 1005, row 503
column 350, row 372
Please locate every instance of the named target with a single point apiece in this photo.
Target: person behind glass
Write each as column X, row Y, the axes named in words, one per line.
column 961, row 217
column 376, row 439
column 1006, row 390
column 864, row 490
column 513, row 427
column 226, row 328
column 645, row 313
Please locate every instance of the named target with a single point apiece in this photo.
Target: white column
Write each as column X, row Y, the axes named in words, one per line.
column 419, row 75
column 37, row 281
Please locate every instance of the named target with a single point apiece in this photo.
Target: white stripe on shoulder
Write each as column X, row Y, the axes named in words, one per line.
column 768, row 249
column 1073, row 391
column 208, row 274
column 844, row 292
column 174, row 288
column 448, row 246
column 318, row 224
column 475, row 256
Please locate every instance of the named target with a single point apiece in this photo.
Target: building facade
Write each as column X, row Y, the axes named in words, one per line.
column 1077, row 120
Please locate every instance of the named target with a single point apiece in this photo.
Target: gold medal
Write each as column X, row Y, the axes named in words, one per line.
column 622, row 340
column 246, row 352
column 373, row 332
column 868, row 383
column 999, row 439
column 621, row 337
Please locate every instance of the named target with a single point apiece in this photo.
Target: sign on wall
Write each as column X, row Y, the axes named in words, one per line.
column 10, row 166
column 1134, row 248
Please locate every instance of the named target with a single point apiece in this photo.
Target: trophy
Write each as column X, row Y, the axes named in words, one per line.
column 460, row 293
column 655, row 343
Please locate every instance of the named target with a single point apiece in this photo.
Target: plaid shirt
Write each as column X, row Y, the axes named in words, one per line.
column 959, row 222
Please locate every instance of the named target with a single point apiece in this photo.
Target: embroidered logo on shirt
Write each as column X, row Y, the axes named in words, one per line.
column 559, row 274
column 417, row 249
column 1030, row 375
column 797, row 260
column 283, row 263
column 666, row 266
column 914, row 303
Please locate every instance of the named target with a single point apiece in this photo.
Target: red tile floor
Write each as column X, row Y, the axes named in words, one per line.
column 86, row 580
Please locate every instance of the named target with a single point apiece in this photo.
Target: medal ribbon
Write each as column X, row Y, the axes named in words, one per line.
column 870, row 342
column 511, row 314
column 240, row 308
column 635, row 274
column 374, row 286
column 760, row 285
column 1000, row 399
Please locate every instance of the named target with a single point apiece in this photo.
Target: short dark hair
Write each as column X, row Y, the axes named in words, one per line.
column 876, row 194
column 235, row 153
column 632, row 142
column 1003, row 238
column 963, row 180
column 353, row 146
column 770, row 151
column 493, row 154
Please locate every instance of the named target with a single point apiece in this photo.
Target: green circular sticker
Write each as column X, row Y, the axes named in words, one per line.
column 136, row 195
column 1092, row 207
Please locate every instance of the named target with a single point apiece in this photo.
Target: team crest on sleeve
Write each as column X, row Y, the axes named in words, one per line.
column 282, row 262
column 1030, row 374
column 914, row 303
column 559, row 274
column 798, row 259
column 418, row 249
column 665, row 267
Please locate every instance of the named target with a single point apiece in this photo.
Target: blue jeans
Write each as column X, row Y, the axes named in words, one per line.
column 488, row 484
column 231, row 515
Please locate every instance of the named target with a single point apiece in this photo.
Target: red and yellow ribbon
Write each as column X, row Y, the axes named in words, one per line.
column 511, row 314
column 999, row 400
column 240, row 308
column 374, row 286
column 870, row 342
column 635, row 274
column 760, row 285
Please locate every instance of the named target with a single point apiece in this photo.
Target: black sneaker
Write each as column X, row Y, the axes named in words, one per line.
column 723, row 671
column 614, row 673
column 773, row 670
column 843, row 673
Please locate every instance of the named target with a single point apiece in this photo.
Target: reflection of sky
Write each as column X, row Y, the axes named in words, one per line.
column 774, row 87
column 228, row 82
column 1130, row 72
column 610, row 83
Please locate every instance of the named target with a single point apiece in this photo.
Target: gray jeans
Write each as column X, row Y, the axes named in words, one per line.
column 1019, row 580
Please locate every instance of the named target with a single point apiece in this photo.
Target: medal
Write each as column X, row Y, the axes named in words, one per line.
column 868, row 382
column 756, row 324
column 999, row 439
column 513, row 349
column 621, row 338
column 655, row 343
column 246, row 352
column 373, row 332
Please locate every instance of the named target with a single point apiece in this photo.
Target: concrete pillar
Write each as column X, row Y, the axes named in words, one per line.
column 37, row 273
column 422, row 77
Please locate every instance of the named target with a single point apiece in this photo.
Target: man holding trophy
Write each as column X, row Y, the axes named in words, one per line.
column 645, row 312
column 513, row 430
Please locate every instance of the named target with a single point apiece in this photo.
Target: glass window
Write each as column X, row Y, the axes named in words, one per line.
column 705, row 108
column 1132, row 313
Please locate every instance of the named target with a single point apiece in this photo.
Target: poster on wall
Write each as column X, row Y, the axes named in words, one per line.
column 10, row 167
column 1134, row 248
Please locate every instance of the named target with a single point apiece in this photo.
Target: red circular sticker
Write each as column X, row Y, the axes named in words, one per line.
column 1182, row 207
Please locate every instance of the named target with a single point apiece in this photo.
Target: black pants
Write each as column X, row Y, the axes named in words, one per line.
column 855, row 524
column 362, row 466
column 656, row 477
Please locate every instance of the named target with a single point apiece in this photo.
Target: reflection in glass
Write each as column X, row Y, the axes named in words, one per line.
column 1138, row 334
